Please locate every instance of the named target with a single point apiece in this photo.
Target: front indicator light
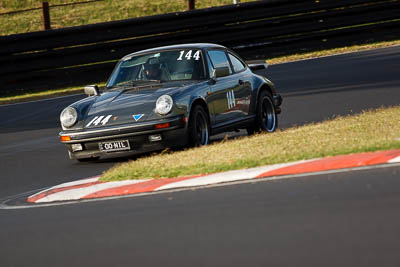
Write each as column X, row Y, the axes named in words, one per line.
column 65, row 138
column 162, row 125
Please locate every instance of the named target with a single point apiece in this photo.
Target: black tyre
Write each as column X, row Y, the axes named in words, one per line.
column 199, row 128
column 267, row 120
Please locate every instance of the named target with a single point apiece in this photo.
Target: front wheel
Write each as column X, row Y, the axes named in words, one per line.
column 199, row 129
column 267, row 120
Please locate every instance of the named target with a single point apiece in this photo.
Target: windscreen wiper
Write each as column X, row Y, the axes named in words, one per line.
column 134, row 84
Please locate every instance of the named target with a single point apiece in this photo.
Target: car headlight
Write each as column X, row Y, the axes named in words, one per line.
column 164, row 104
column 68, row 117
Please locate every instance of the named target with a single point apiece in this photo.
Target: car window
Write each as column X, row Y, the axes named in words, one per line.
column 237, row 64
column 210, row 66
column 219, row 59
column 172, row 65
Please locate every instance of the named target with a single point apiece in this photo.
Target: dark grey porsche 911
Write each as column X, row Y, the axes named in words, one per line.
column 166, row 97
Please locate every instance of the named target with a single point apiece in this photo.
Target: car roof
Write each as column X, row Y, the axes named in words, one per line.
column 179, row 46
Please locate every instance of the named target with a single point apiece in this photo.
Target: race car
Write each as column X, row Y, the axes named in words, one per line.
column 169, row 96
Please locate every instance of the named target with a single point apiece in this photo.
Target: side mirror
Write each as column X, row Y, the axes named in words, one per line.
column 91, row 90
column 220, row 72
column 258, row 66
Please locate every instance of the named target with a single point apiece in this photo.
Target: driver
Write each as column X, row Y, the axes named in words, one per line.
column 153, row 71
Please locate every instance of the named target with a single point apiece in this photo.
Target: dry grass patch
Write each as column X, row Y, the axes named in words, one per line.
column 370, row 131
column 83, row 14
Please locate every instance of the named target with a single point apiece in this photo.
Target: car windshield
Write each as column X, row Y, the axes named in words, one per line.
column 172, row 65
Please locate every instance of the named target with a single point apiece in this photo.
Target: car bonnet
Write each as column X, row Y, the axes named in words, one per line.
column 124, row 106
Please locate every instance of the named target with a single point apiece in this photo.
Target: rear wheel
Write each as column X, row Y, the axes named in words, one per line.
column 266, row 120
column 199, row 128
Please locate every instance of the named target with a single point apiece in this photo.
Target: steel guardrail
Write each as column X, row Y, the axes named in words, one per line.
column 86, row 54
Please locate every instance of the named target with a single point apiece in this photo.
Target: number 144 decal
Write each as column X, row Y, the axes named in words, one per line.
column 99, row 119
column 188, row 55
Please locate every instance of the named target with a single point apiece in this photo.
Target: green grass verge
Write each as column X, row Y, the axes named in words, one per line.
column 28, row 96
column 369, row 131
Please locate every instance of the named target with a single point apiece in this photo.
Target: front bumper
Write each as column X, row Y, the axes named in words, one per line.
column 138, row 135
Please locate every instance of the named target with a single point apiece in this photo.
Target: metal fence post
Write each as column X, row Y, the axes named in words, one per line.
column 191, row 4
column 46, row 15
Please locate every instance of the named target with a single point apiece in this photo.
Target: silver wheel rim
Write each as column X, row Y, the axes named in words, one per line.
column 268, row 115
column 201, row 129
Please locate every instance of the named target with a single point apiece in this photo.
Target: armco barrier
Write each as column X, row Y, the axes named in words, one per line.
column 87, row 54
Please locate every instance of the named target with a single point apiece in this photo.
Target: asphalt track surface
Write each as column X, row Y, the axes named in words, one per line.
column 347, row 219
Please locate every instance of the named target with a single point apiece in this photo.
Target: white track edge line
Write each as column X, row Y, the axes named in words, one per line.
column 67, row 184
column 395, row 160
column 4, row 206
column 229, row 176
column 222, row 177
column 79, row 193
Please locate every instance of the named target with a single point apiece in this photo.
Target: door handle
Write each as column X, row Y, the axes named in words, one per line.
column 241, row 82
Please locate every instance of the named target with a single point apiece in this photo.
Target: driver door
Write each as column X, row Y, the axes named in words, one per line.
column 222, row 98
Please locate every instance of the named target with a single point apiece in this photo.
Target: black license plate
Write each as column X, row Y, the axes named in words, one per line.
column 114, row 146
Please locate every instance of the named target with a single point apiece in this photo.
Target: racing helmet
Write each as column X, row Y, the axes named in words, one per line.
column 152, row 69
